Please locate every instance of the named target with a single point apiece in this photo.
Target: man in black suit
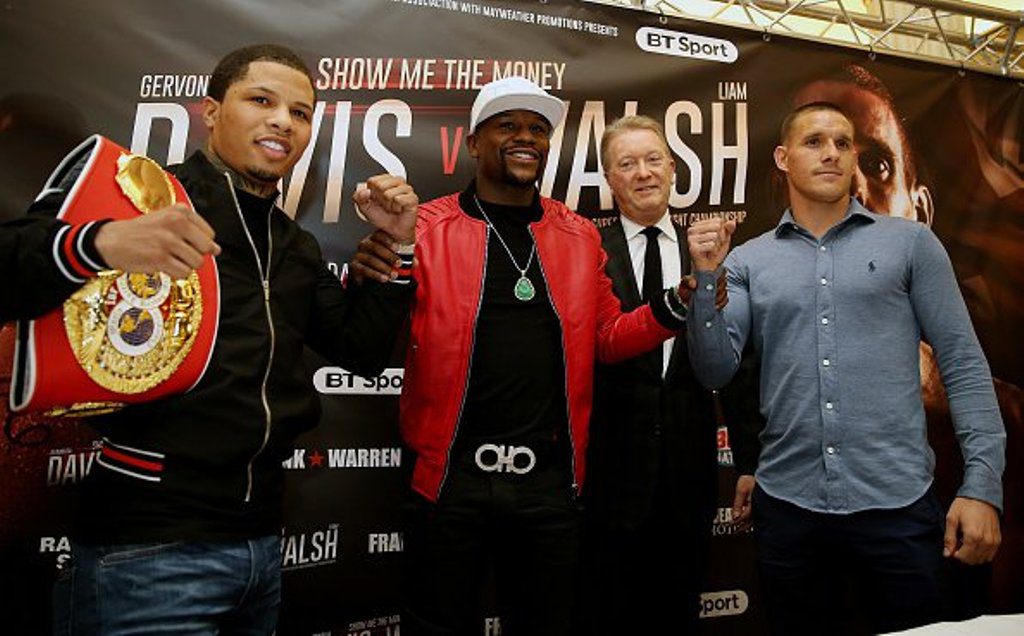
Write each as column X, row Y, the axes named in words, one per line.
column 651, row 493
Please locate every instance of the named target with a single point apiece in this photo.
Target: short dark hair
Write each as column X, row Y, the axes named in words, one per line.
column 233, row 66
column 787, row 123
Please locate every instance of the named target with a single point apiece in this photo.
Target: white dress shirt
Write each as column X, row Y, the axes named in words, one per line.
column 671, row 267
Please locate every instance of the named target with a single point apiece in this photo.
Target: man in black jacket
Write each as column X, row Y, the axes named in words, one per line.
column 652, row 489
column 179, row 527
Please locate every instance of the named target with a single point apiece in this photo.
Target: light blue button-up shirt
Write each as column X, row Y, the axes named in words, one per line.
column 837, row 322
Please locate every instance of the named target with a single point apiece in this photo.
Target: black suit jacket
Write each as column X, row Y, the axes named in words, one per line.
column 652, row 437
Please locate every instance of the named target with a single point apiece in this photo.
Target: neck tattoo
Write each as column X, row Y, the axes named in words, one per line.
column 261, row 189
column 523, row 290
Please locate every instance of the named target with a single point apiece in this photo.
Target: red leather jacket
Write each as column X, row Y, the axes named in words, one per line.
column 451, row 250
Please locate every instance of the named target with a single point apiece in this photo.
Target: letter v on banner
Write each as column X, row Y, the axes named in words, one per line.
column 450, row 153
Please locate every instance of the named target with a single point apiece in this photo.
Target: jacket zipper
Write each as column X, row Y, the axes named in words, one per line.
column 472, row 347
column 565, row 365
column 265, row 281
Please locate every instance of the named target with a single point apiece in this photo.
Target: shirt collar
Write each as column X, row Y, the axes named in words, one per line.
column 632, row 228
column 854, row 211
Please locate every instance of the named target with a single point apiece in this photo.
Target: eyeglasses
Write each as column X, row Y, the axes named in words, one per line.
column 629, row 165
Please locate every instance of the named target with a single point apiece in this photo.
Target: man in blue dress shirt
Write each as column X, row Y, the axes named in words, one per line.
column 835, row 300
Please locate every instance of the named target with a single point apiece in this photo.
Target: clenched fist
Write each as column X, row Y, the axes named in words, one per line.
column 172, row 240
column 389, row 203
column 709, row 242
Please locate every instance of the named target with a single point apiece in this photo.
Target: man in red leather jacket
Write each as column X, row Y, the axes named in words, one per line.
column 512, row 306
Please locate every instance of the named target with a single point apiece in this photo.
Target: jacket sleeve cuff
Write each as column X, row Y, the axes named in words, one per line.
column 668, row 316
column 404, row 269
column 388, row 291
column 74, row 251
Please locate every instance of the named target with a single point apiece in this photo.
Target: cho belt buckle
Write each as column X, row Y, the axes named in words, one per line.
column 501, row 458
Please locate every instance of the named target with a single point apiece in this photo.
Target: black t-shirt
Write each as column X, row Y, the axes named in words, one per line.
column 516, row 392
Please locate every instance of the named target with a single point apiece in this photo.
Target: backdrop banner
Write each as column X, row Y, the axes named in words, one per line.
column 395, row 80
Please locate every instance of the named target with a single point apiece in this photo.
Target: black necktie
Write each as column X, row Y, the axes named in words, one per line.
column 652, row 264
column 652, row 285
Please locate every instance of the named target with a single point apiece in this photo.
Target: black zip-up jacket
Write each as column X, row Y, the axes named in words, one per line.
column 205, row 465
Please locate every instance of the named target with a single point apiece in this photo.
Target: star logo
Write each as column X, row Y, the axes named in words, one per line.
column 316, row 458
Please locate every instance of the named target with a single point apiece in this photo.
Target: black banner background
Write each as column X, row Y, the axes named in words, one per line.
column 71, row 69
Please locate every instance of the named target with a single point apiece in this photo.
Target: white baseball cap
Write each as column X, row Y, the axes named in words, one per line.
column 515, row 93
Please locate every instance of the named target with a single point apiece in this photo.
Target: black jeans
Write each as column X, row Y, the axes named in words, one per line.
column 809, row 561
column 525, row 527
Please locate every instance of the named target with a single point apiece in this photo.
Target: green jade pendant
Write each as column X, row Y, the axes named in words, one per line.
column 524, row 290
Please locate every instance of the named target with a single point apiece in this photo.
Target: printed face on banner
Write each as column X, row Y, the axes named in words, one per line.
column 640, row 172
column 818, row 157
column 510, row 149
column 263, row 124
column 885, row 180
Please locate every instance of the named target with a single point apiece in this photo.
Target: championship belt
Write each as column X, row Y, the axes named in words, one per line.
column 123, row 337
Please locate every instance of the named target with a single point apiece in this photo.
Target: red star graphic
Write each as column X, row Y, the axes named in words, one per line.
column 316, row 458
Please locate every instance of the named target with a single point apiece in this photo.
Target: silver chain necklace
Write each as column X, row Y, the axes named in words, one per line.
column 524, row 289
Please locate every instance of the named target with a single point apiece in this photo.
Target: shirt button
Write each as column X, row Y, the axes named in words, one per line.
column 828, row 405
column 823, row 248
column 708, row 324
column 824, row 321
column 824, row 281
column 709, row 287
column 831, row 450
column 825, row 362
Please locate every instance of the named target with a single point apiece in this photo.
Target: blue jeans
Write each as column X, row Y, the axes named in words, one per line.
column 185, row 587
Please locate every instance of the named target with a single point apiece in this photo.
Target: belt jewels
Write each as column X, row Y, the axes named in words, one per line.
column 124, row 337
